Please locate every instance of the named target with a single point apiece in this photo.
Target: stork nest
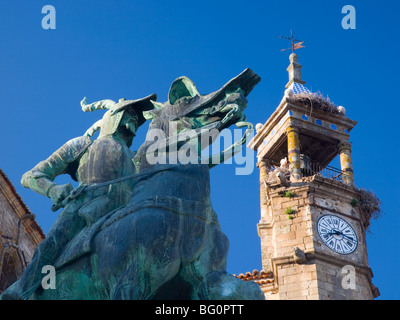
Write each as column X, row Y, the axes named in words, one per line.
column 370, row 205
column 315, row 101
column 272, row 178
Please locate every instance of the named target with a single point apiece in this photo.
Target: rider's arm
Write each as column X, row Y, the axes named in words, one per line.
column 99, row 105
column 40, row 178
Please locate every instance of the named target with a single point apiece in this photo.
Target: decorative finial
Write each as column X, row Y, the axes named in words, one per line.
column 295, row 66
column 295, row 46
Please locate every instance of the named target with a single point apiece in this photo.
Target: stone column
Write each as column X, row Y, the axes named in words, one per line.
column 264, row 167
column 346, row 164
column 293, row 142
column 264, row 228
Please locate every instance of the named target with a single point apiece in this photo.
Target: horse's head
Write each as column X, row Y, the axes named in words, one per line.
column 187, row 113
column 187, row 109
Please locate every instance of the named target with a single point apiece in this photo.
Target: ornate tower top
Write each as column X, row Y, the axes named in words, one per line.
column 307, row 129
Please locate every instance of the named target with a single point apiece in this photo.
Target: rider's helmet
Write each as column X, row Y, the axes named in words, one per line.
column 112, row 119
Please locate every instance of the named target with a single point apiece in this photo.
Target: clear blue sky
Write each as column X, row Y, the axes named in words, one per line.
column 112, row 49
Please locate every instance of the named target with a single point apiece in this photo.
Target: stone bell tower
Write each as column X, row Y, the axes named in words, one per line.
column 313, row 218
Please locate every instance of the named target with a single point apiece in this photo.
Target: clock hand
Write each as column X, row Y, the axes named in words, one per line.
column 350, row 238
column 335, row 232
column 338, row 233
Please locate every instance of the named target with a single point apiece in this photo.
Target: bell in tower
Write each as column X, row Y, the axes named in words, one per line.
column 313, row 220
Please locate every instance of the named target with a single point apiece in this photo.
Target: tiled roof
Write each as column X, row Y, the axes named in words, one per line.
column 260, row 277
column 298, row 88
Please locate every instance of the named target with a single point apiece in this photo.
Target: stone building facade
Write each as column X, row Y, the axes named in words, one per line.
column 19, row 234
column 313, row 217
column 299, row 264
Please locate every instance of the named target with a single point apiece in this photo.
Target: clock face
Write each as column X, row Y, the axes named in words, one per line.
column 337, row 234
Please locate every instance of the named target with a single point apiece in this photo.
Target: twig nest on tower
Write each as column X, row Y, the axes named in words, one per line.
column 315, row 101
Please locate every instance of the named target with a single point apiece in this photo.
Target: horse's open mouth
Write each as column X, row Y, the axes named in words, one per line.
column 225, row 114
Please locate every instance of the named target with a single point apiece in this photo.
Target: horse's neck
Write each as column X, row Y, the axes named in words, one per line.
column 157, row 128
column 167, row 153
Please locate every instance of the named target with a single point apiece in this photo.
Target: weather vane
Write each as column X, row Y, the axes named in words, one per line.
column 295, row 46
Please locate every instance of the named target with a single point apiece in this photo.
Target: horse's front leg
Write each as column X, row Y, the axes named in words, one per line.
column 216, row 283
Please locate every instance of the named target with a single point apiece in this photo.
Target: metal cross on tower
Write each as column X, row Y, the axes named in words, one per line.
column 295, row 46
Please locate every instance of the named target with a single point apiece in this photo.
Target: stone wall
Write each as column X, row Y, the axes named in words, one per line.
column 17, row 253
column 302, row 265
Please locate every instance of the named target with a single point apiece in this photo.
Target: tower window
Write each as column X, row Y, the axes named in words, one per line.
column 318, row 122
column 333, row 126
column 304, row 117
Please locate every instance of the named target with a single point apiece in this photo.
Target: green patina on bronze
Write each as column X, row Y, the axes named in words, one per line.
column 151, row 233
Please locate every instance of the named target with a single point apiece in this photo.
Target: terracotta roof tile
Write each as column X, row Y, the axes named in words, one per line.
column 259, row 277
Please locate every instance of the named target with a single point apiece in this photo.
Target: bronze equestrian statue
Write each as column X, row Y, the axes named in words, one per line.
column 164, row 242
